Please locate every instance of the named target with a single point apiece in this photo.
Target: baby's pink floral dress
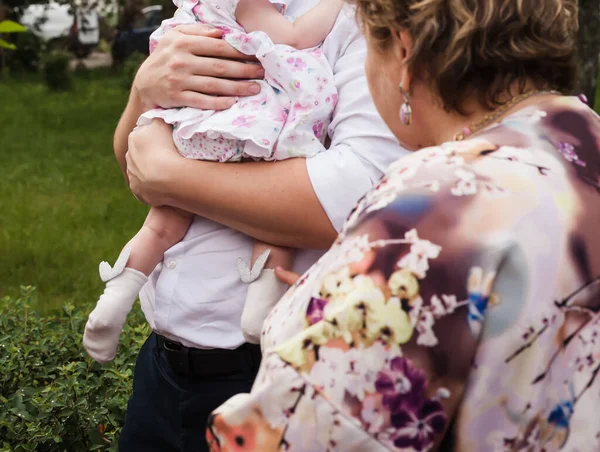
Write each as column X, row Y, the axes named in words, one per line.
column 459, row 310
column 288, row 118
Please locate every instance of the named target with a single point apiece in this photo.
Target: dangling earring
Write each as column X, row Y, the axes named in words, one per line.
column 405, row 110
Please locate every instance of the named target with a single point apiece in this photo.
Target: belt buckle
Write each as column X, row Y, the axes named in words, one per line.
column 172, row 346
column 178, row 357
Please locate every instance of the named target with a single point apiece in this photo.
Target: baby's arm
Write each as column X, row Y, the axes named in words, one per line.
column 309, row 30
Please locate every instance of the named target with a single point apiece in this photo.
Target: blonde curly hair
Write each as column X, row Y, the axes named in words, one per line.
column 480, row 47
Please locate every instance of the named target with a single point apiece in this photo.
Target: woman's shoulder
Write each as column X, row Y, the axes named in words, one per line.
column 559, row 136
column 554, row 147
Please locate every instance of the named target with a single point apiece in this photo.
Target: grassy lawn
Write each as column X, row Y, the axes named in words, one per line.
column 64, row 206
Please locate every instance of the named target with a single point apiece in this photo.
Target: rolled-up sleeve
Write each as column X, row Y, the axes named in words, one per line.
column 362, row 146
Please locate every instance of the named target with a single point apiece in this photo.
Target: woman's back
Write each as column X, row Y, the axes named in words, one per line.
column 532, row 381
column 466, row 286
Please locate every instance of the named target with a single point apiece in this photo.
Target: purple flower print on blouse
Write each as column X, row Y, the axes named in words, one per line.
column 297, row 64
column 568, row 152
column 416, row 430
column 244, row 121
column 415, row 418
column 315, row 310
column 402, row 385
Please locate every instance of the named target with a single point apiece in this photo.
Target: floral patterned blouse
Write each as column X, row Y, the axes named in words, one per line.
column 459, row 308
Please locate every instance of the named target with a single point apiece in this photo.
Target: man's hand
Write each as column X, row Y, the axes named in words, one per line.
column 193, row 67
column 150, row 157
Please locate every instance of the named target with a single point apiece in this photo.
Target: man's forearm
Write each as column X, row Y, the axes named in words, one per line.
column 278, row 204
column 126, row 124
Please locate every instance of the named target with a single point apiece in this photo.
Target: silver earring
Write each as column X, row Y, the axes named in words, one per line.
column 405, row 110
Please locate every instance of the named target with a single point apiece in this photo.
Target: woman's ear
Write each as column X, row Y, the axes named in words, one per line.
column 405, row 41
column 403, row 50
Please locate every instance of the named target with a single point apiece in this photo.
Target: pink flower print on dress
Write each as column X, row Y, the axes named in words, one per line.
column 198, row 13
column 298, row 64
column 244, row 121
column 257, row 103
column 225, row 30
column 321, row 83
column 318, row 128
column 245, row 41
column 298, row 108
column 294, row 85
column 281, row 115
column 332, row 100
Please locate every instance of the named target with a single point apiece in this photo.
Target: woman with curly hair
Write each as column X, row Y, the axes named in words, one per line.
column 459, row 309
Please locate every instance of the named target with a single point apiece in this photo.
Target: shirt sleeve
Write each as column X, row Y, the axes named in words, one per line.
column 361, row 147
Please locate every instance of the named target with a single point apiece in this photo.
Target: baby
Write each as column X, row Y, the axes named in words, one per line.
column 289, row 118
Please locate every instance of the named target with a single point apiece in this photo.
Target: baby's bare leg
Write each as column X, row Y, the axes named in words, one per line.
column 278, row 257
column 265, row 292
column 163, row 228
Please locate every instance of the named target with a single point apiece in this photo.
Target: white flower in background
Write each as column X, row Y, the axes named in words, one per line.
column 382, row 201
column 363, row 367
column 466, row 185
column 427, row 339
column 441, row 155
column 373, row 413
column 424, row 327
column 351, row 250
column 417, row 260
column 330, row 372
column 385, row 193
column 416, row 305
column 443, row 306
column 434, row 186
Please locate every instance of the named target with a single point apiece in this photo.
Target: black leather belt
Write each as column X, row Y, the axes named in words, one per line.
column 195, row 362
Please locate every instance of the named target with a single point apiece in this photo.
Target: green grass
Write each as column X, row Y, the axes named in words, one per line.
column 64, row 205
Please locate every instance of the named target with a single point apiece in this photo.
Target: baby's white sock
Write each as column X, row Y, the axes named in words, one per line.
column 263, row 294
column 105, row 323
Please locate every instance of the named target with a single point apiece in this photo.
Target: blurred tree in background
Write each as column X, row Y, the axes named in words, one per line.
column 589, row 47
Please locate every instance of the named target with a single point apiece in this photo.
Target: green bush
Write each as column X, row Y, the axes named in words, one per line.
column 56, row 71
column 26, row 56
column 52, row 396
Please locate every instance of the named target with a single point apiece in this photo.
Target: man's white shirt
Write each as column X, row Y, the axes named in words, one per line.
column 195, row 296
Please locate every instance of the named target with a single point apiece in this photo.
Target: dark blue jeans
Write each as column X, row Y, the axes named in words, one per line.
column 168, row 412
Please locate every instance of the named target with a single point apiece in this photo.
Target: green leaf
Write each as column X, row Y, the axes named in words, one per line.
column 7, row 45
column 8, row 26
